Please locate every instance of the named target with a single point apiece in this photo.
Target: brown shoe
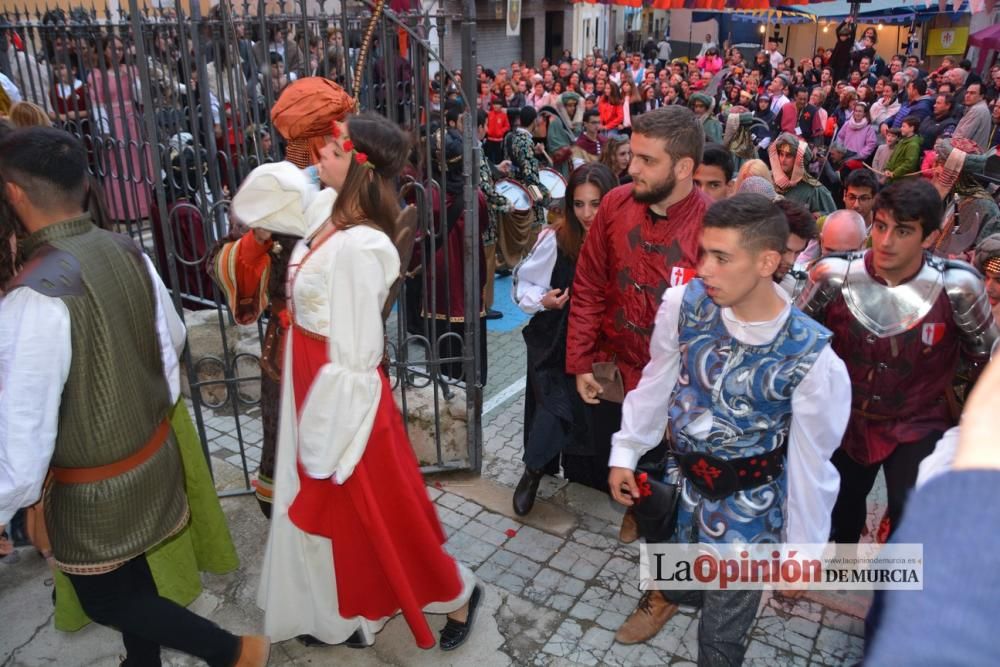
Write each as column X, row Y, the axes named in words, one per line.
column 255, row 651
column 629, row 532
column 649, row 616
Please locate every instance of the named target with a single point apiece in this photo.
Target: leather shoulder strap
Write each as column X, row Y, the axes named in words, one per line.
column 51, row 272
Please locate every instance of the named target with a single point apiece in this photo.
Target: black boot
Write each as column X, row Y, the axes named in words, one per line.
column 524, row 494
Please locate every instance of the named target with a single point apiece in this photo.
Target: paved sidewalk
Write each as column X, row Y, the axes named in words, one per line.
column 558, row 582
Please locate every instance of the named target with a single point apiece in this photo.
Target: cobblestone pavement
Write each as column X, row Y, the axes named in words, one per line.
column 559, row 583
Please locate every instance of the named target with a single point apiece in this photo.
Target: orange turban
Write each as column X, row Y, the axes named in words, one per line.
column 304, row 114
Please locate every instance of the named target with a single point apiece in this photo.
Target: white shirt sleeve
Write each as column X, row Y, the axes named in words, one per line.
column 821, row 406
column 941, row 459
column 644, row 412
column 339, row 410
column 35, row 355
column 169, row 330
column 10, row 88
column 533, row 276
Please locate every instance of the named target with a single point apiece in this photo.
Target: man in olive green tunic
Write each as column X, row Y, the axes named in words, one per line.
column 86, row 345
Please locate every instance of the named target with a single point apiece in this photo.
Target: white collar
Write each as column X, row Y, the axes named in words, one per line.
column 727, row 313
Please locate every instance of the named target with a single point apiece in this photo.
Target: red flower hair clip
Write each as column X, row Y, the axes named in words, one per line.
column 335, row 130
column 359, row 157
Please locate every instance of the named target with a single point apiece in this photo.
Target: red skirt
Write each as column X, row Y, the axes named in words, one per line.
column 388, row 551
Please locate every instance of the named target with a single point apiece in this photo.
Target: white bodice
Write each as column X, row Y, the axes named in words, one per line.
column 336, row 290
column 308, row 286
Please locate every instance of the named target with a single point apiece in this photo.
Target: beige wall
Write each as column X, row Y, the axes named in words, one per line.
column 804, row 38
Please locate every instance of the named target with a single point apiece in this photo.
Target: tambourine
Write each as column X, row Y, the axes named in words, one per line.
column 515, row 193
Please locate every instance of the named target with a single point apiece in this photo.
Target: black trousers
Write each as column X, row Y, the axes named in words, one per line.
column 856, row 481
column 127, row 599
column 726, row 617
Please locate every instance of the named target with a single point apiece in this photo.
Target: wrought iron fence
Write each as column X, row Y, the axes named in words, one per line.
column 173, row 106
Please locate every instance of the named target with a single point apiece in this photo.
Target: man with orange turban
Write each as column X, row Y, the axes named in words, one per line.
column 250, row 270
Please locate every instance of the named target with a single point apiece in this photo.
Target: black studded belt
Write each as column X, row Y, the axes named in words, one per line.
column 717, row 478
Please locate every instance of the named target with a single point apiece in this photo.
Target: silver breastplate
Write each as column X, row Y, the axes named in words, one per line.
column 888, row 311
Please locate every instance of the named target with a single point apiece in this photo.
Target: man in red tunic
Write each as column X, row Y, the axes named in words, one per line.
column 643, row 240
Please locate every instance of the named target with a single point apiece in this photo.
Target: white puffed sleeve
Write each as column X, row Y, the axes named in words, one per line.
column 821, row 407
column 533, row 276
column 36, row 352
column 170, row 330
column 339, row 410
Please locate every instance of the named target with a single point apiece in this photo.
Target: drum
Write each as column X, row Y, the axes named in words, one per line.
column 553, row 182
column 515, row 193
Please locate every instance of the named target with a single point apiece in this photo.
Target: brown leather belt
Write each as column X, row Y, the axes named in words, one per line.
column 101, row 473
column 874, row 418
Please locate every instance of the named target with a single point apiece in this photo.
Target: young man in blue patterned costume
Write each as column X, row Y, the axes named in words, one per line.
column 756, row 403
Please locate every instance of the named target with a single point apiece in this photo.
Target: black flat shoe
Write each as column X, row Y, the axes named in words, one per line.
column 454, row 634
column 356, row 640
column 527, row 489
column 492, row 315
column 503, row 273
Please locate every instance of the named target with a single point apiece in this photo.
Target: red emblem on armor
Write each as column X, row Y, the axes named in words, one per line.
column 681, row 276
column 932, row 333
column 707, row 472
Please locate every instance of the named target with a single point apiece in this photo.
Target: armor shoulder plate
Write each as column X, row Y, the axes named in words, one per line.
column 51, row 272
column 970, row 306
column 960, row 276
column 826, row 279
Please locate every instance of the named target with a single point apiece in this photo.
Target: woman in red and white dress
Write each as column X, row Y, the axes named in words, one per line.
column 354, row 539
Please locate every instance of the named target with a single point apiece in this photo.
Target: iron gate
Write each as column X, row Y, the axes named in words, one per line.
column 173, row 107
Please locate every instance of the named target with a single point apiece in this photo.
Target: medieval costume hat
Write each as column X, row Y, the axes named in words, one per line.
column 305, row 113
column 743, row 132
column 759, row 186
column 282, row 199
column 702, row 98
column 803, row 155
column 987, row 257
column 960, row 157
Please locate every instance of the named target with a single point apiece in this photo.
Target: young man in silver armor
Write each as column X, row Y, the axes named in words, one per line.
column 901, row 319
